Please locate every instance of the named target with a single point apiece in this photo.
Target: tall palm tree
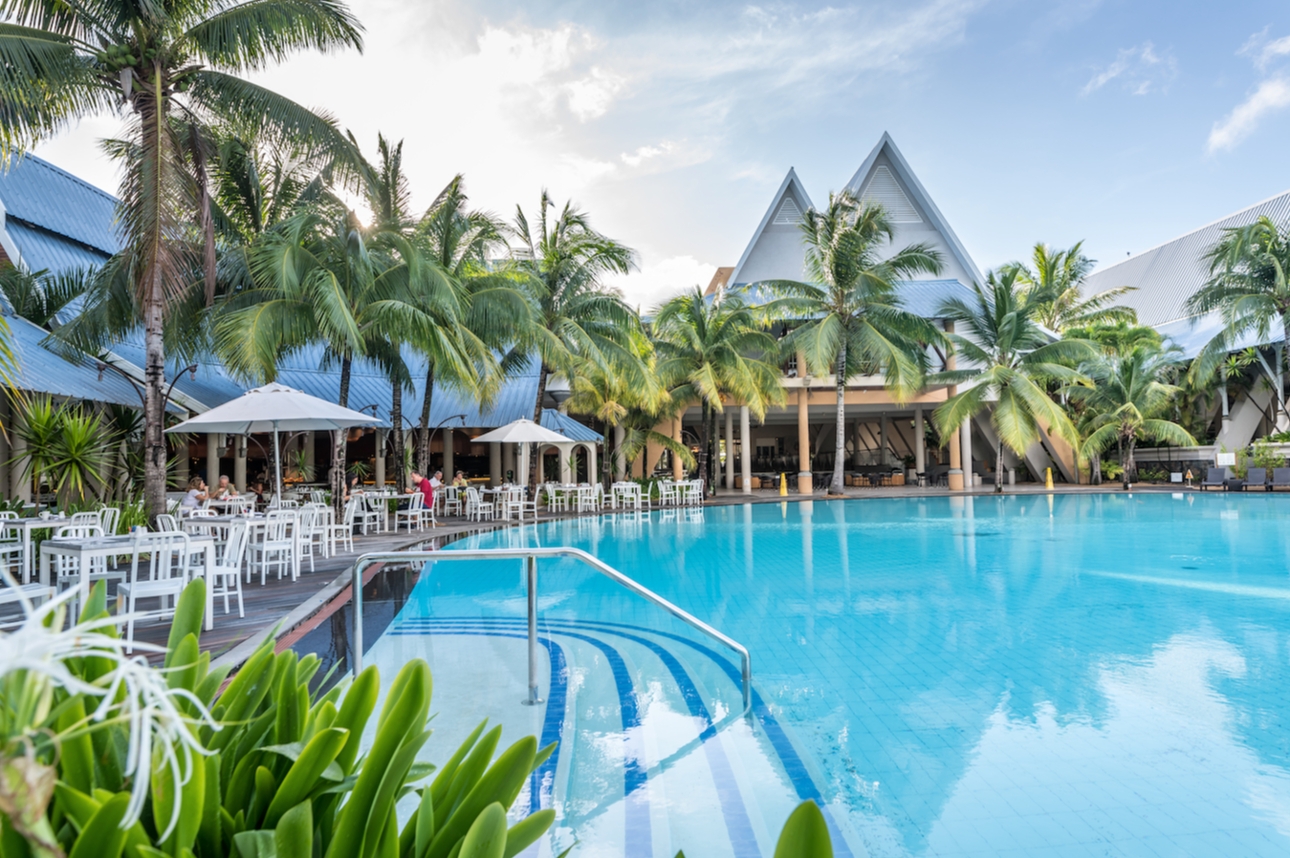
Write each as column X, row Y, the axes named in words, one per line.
column 851, row 318
column 1127, row 399
column 1010, row 360
column 1054, row 282
column 712, row 350
column 39, row 296
column 576, row 318
column 1248, row 287
column 494, row 315
column 174, row 69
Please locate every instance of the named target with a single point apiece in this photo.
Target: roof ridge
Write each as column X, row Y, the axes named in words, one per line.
column 57, row 169
column 1192, row 232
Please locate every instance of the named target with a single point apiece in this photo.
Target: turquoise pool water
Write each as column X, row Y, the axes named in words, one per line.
column 1028, row 675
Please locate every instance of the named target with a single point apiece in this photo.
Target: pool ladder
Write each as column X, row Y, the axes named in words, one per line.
column 530, row 558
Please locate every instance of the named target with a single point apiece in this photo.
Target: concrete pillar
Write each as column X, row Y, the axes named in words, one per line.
column 448, row 470
column 239, row 463
column 522, row 464
column 965, row 438
column 730, row 449
column 803, row 440
column 212, row 459
column 4, row 444
column 19, row 476
column 310, row 442
column 591, row 464
column 745, row 450
column 379, row 464
column 678, row 469
column 181, row 467
column 920, row 442
column 494, row 464
column 508, row 460
column 620, row 461
column 566, row 462
column 857, row 444
column 955, row 476
column 882, row 441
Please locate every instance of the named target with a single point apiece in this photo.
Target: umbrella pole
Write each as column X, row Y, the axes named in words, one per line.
column 277, row 460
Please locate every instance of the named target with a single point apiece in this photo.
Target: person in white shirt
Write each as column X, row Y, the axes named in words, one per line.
column 437, row 480
column 196, row 496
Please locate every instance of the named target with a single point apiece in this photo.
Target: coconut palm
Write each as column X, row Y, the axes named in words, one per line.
column 1249, row 290
column 1053, row 281
column 1009, row 361
column 852, row 320
column 577, row 319
column 713, row 350
column 1129, row 394
column 39, row 296
column 174, row 69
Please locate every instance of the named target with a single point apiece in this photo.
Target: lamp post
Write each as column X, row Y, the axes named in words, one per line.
column 430, row 442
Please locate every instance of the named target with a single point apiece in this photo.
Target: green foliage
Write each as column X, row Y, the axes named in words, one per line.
column 1112, row 470
column 1259, row 455
column 1053, row 282
column 66, row 448
column 805, row 834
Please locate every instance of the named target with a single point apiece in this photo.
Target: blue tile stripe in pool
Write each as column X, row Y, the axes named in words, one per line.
column 639, row 841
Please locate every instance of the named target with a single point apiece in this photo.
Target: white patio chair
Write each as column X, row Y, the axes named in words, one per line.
column 668, row 494
column 452, row 501
column 277, row 545
column 342, row 535
column 163, row 578
column 372, row 512
column 305, row 524
column 516, row 503
column 587, row 501
column 167, row 523
column 67, row 571
column 226, row 574
column 318, row 496
column 109, row 517
column 478, row 509
column 413, row 513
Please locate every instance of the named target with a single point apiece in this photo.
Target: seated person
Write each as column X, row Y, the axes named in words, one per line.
column 437, row 480
column 257, row 489
column 353, row 487
column 197, row 495
column 424, row 486
column 223, row 489
column 460, row 481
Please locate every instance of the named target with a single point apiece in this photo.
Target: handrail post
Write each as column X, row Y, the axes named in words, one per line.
column 356, row 634
column 531, row 563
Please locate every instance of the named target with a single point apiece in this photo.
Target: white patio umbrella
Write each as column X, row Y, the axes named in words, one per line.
column 522, row 431
column 275, row 408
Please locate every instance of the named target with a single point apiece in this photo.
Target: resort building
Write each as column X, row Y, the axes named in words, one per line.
column 798, row 440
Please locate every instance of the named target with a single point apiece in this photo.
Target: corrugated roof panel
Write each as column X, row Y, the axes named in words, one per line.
column 567, row 426
column 43, row 250
column 1166, row 276
column 39, row 193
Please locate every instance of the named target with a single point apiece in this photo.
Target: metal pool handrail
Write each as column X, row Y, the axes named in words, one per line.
column 530, row 557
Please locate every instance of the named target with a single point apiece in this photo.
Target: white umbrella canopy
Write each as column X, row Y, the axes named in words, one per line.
column 522, row 431
column 275, row 408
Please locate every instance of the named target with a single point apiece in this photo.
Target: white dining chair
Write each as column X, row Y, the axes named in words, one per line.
column 478, row 509
column 167, row 523
column 342, row 535
column 109, row 517
column 412, row 514
column 276, row 545
column 226, row 574
column 163, row 578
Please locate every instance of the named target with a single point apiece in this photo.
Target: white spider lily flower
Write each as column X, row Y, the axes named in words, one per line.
column 131, row 692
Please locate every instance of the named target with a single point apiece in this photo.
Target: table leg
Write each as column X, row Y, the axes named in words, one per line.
column 84, row 586
column 26, row 560
column 44, row 567
column 209, row 563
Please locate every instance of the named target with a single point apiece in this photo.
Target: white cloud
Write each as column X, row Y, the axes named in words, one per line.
column 1273, row 94
column 1140, row 70
column 661, row 278
column 1262, row 50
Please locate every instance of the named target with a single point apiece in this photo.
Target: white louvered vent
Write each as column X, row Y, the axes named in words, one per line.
column 788, row 213
column 883, row 189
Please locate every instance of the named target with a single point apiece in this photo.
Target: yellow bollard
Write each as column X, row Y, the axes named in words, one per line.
column 783, row 486
column 1048, row 478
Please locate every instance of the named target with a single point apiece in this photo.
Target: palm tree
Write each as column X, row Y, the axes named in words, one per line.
column 39, row 296
column 174, row 69
column 1249, row 289
column 712, row 350
column 852, row 319
column 1127, row 397
column 494, row 311
column 1054, row 282
column 1010, row 361
column 577, row 320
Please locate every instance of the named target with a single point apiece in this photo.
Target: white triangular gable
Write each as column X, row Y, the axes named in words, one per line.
column 775, row 251
column 886, row 177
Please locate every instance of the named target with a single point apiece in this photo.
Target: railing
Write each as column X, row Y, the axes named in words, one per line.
column 530, row 557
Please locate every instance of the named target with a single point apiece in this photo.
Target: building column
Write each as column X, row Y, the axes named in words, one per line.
column 447, row 455
column 181, row 467
column 803, row 442
column 591, row 464
column 920, row 442
column 19, row 477
column 955, row 476
column 4, row 444
column 730, row 449
column 566, row 462
column 379, row 463
column 311, row 454
column 523, row 466
column 239, row 463
column 678, row 469
column 508, row 460
column 494, row 464
column 882, row 440
column 857, row 444
column 965, row 438
column 745, row 450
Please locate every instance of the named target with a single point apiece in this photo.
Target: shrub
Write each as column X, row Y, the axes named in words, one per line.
column 1260, row 455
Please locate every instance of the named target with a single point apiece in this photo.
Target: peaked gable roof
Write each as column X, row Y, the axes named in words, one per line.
column 886, row 177
column 54, row 220
column 776, row 251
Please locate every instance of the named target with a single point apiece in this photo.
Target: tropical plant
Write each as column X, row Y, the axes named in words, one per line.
column 174, row 70
column 1115, row 337
column 1249, row 290
column 80, row 456
column 713, row 350
column 39, row 296
column 1054, row 281
column 850, row 317
column 1010, row 361
column 1127, row 397
column 577, row 319
column 1258, row 455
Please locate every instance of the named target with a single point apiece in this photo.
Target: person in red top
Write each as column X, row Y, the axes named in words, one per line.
column 421, row 484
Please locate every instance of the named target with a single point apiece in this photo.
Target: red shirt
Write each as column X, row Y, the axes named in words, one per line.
column 427, row 491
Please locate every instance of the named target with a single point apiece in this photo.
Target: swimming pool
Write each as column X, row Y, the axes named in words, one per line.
column 1098, row 674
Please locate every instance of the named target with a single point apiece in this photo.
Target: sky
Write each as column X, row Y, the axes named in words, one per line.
column 1121, row 124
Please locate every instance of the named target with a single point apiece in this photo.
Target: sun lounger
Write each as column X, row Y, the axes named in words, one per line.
column 1280, row 479
column 1215, row 477
column 1257, row 478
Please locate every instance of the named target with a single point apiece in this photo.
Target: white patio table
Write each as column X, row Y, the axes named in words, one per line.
column 24, row 527
column 85, row 550
column 255, row 525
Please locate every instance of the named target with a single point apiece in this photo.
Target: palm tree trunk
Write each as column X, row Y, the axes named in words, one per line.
column 703, row 443
column 714, row 455
column 338, row 448
column 423, row 434
column 154, row 411
column 840, row 442
column 534, row 464
column 998, row 467
column 1130, row 466
column 1095, row 469
column 1284, row 421
column 396, row 417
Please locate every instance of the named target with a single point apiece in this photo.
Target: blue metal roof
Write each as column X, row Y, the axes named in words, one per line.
column 40, row 370
column 38, row 193
column 43, row 250
column 567, row 426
